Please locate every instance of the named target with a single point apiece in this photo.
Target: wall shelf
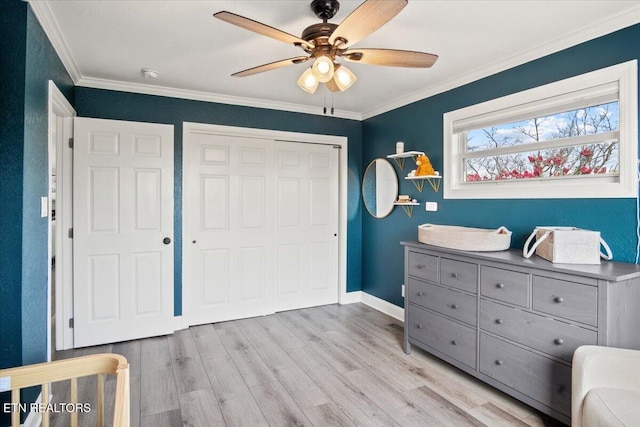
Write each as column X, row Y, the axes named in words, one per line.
column 400, row 157
column 433, row 180
column 407, row 207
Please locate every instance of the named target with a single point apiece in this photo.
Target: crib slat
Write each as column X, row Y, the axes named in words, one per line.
column 45, row 401
column 15, row 414
column 73, row 417
column 100, row 401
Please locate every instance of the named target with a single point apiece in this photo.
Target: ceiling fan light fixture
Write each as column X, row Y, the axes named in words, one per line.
column 343, row 77
column 308, row 81
column 323, row 69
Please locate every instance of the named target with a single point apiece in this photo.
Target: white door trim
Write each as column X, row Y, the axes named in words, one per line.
column 341, row 141
column 58, row 106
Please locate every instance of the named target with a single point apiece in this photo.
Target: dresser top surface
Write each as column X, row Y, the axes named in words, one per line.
column 606, row 270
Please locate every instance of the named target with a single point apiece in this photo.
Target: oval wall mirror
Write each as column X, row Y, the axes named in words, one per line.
column 379, row 188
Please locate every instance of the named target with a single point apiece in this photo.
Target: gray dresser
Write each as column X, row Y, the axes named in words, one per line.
column 514, row 322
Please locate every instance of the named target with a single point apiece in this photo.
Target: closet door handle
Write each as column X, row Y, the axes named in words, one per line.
column 499, row 285
column 166, row 240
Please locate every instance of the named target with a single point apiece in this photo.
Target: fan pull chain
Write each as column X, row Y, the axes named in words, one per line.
column 324, row 109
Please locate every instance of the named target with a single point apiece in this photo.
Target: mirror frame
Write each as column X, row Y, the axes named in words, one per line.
column 364, row 202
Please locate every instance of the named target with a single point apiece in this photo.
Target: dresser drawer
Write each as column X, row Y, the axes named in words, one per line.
column 505, row 285
column 423, row 266
column 570, row 300
column 459, row 274
column 541, row 333
column 536, row 376
column 451, row 303
column 444, row 335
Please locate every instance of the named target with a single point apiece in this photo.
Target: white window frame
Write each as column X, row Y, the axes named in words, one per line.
column 527, row 103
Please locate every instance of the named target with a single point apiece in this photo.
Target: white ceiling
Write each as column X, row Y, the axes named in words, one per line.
column 104, row 44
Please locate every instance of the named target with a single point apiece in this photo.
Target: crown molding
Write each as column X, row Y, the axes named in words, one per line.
column 44, row 15
column 170, row 92
column 592, row 31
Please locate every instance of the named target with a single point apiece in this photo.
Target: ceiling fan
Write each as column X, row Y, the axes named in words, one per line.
column 327, row 42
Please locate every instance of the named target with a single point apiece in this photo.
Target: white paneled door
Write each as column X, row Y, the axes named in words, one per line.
column 123, row 230
column 229, row 217
column 261, row 224
column 306, row 225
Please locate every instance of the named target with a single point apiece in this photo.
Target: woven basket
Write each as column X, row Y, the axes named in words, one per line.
column 465, row 238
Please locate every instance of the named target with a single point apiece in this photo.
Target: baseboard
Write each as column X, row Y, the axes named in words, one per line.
column 351, row 297
column 383, row 306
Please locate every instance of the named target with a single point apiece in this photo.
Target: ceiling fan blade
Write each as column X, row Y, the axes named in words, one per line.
column 368, row 17
column 260, row 28
column 391, row 57
column 271, row 66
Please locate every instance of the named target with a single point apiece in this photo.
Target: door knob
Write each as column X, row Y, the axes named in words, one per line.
column 166, row 240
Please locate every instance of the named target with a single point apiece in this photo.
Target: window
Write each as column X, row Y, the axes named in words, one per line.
column 576, row 138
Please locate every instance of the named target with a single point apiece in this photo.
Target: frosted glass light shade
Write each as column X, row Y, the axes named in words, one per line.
column 323, row 69
column 343, row 78
column 308, row 81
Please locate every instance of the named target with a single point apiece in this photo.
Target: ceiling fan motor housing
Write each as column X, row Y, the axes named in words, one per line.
column 325, row 9
column 319, row 33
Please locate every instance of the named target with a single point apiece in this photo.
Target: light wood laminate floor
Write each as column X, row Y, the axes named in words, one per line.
column 323, row 366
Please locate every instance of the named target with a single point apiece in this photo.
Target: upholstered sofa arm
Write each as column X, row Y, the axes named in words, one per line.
column 598, row 367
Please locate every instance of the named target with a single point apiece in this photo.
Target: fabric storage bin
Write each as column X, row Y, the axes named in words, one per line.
column 568, row 245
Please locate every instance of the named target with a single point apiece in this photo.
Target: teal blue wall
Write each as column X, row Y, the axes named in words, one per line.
column 42, row 65
column 157, row 109
column 419, row 125
column 13, row 39
column 28, row 63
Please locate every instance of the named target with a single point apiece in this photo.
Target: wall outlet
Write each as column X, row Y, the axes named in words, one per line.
column 403, row 291
column 431, row 206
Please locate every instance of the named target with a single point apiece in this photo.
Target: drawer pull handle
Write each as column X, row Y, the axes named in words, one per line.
column 561, row 389
column 420, row 266
column 454, row 306
column 558, row 300
column 454, row 342
column 420, row 294
column 419, row 326
column 499, row 285
column 454, row 275
column 558, row 341
column 499, row 321
column 499, row 362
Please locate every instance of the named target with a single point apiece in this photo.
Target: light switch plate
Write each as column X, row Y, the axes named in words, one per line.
column 431, row 206
column 44, row 207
